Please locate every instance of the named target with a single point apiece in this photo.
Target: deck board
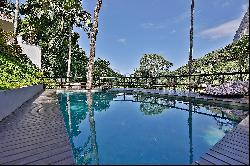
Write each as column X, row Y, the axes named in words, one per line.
column 232, row 149
column 35, row 134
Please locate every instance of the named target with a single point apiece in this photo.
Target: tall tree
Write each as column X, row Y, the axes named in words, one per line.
column 16, row 20
column 69, row 59
column 93, row 34
column 48, row 24
column 153, row 65
column 191, row 44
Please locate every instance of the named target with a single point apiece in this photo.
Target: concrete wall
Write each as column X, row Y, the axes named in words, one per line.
column 10, row 100
column 33, row 52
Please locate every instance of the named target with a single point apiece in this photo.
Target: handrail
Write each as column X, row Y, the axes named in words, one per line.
column 172, row 80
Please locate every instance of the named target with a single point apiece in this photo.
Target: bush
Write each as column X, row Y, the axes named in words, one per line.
column 16, row 69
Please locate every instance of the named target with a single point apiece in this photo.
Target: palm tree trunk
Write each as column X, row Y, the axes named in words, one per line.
column 191, row 45
column 93, row 35
column 70, row 50
column 16, row 20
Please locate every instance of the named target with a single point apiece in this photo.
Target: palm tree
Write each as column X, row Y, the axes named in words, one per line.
column 75, row 15
column 93, row 34
column 191, row 45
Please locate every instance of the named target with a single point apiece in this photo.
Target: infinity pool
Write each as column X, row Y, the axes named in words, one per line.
column 117, row 128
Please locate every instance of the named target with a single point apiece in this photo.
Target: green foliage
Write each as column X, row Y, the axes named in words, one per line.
column 15, row 74
column 48, row 24
column 153, row 65
column 232, row 58
column 16, row 69
column 7, row 8
column 102, row 69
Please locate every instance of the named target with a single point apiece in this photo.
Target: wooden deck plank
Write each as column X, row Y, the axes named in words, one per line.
column 35, row 133
column 17, row 145
column 21, row 136
column 214, row 160
column 25, row 132
column 8, row 157
column 52, row 159
column 231, row 149
column 230, row 154
column 22, row 149
column 67, row 161
column 203, row 162
column 31, row 138
column 234, row 146
column 224, row 158
column 40, row 156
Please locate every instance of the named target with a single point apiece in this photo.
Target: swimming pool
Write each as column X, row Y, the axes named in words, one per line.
column 120, row 128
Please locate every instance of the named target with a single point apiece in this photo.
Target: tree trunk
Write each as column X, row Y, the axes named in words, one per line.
column 70, row 50
column 191, row 45
column 94, row 146
column 190, row 133
column 16, row 20
column 93, row 35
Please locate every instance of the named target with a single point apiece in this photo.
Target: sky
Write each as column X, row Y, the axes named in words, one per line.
column 128, row 29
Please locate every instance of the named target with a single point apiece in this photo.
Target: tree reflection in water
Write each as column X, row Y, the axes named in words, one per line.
column 77, row 107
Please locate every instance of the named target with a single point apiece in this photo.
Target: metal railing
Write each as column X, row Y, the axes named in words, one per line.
column 176, row 81
column 166, row 82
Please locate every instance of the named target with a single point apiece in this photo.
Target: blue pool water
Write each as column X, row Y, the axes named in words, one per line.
column 116, row 128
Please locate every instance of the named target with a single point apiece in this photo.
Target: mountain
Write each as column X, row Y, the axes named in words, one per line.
column 243, row 28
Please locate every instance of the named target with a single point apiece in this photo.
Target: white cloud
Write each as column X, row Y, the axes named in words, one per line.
column 225, row 29
column 150, row 25
column 122, row 41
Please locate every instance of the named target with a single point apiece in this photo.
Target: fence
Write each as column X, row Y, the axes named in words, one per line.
column 197, row 81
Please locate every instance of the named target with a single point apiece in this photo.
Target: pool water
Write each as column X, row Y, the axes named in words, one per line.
column 117, row 128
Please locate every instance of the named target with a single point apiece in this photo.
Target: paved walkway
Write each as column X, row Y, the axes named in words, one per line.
column 233, row 149
column 35, row 134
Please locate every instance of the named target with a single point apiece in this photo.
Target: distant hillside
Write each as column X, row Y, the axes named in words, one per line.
column 227, row 59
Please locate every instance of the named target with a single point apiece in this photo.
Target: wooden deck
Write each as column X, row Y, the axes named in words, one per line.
column 35, row 134
column 233, row 149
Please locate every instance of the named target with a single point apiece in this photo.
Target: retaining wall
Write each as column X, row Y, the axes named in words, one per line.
column 10, row 100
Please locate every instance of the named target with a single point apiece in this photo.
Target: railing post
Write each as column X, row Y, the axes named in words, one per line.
column 175, row 81
column 241, row 78
column 124, row 82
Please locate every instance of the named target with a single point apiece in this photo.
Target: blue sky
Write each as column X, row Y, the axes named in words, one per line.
column 130, row 28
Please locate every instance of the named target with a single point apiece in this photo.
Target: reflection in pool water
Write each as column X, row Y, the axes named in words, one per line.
column 112, row 128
